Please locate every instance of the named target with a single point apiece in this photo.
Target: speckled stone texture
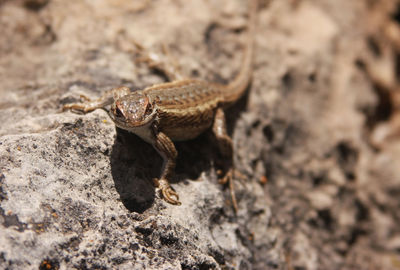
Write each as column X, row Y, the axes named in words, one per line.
column 318, row 191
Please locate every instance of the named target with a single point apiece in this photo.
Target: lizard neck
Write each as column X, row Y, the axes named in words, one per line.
column 145, row 132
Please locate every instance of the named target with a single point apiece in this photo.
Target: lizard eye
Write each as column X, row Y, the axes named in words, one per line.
column 149, row 108
column 118, row 113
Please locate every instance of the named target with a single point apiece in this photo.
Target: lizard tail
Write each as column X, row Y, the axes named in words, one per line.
column 234, row 90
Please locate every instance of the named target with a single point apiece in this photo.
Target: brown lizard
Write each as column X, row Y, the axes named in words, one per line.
column 178, row 110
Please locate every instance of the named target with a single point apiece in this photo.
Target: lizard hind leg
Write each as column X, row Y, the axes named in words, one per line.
column 226, row 148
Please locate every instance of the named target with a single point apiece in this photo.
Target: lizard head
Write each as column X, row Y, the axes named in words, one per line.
column 132, row 110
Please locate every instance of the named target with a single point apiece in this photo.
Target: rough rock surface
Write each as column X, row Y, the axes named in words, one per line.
column 322, row 187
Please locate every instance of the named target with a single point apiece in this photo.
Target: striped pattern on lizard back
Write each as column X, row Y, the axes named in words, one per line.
column 187, row 107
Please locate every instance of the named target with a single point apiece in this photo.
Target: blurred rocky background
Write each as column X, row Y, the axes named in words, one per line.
column 317, row 138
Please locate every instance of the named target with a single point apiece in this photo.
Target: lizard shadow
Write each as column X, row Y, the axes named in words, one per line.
column 134, row 163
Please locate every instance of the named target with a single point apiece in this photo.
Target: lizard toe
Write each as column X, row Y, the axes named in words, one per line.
column 169, row 195
column 167, row 192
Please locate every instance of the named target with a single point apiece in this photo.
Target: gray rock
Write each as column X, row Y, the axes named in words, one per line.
column 75, row 192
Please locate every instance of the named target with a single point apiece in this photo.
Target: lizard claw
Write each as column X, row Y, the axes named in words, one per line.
column 228, row 178
column 167, row 192
column 77, row 107
column 82, row 107
column 85, row 98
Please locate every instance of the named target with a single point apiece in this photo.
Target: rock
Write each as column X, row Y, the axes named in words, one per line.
column 75, row 192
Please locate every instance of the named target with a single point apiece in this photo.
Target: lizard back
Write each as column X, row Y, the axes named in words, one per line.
column 186, row 107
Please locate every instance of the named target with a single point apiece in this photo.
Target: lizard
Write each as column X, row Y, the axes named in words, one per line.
column 179, row 110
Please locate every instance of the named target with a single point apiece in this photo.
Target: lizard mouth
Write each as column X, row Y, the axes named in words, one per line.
column 126, row 123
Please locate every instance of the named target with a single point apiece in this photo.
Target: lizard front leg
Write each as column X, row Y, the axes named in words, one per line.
column 226, row 148
column 91, row 105
column 163, row 61
column 166, row 149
